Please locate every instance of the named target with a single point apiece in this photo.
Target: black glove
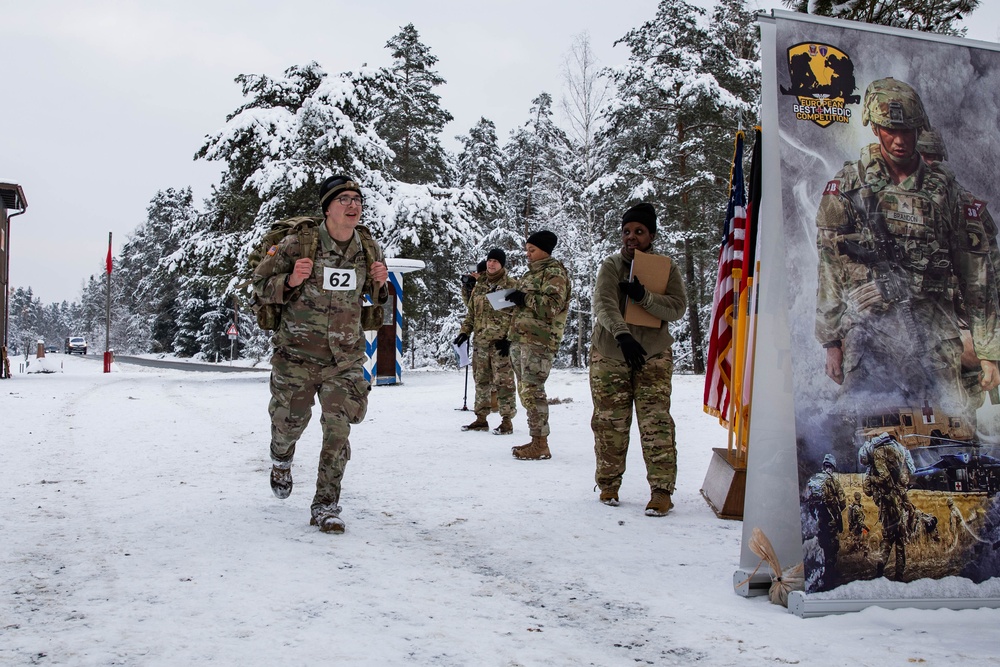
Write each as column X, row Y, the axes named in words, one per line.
column 516, row 297
column 503, row 346
column 635, row 355
column 461, row 338
column 634, row 289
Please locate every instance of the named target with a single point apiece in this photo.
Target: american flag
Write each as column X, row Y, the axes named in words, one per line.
column 718, row 376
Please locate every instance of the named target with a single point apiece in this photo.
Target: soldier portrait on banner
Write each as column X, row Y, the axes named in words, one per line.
column 888, row 190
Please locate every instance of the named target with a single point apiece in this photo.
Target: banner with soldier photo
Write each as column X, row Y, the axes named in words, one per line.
column 889, row 142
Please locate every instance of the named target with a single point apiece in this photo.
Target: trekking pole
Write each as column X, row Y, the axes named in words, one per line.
column 465, row 395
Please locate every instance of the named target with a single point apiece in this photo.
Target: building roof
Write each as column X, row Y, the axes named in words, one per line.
column 12, row 196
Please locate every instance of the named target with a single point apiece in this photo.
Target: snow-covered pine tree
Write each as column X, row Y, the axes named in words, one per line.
column 673, row 121
column 939, row 16
column 413, row 118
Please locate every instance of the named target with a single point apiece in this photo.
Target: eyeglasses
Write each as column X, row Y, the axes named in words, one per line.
column 347, row 201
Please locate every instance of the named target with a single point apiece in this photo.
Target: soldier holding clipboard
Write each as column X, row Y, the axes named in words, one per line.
column 631, row 360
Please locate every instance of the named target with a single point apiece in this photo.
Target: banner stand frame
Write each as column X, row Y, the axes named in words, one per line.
column 772, row 501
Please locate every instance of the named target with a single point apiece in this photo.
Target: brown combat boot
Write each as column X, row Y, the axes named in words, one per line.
column 479, row 425
column 659, row 503
column 609, row 497
column 505, row 427
column 536, row 450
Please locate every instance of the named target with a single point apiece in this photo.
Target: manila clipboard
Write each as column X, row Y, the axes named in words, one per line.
column 653, row 271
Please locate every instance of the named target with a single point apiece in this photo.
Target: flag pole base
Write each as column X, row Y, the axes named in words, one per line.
column 725, row 485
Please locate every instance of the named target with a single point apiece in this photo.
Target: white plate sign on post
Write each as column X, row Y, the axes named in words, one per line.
column 232, row 332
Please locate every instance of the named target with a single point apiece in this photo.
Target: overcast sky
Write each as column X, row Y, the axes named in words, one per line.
column 106, row 102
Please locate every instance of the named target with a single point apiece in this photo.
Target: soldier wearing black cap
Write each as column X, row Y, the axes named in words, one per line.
column 536, row 329
column 486, row 325
column 632, row 365
column 319, row 346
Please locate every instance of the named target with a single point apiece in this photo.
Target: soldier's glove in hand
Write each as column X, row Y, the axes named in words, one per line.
column 461, row 338
column 517, row 297
column 635, row 354
column 634, row 289
column 503, row 347
column 865, row 297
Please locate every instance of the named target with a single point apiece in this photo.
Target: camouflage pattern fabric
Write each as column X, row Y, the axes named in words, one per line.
column 856, row 519
column 542, row 319
column 885, row 482
column 486, row 324
column 343, row 397
column 316, row 323
column 482, row 321
column 319, row 350
column 493, row 372
column 940, row 255
column 532, row 365
column 615, row 389
column 827, row 502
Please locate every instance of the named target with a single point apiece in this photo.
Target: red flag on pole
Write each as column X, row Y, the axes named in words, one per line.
column 109, row 254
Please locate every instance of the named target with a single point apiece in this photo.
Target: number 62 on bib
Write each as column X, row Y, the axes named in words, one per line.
column 339, row 280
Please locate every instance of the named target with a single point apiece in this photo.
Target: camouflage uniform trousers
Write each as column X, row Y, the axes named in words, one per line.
column 493, row 372
column 615, row 389
column 343, row 397
column 532, row 365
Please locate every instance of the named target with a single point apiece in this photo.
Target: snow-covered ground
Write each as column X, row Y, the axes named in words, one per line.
column 139, row 529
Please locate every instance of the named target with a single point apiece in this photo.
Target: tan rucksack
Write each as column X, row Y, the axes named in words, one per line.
column 269, row 314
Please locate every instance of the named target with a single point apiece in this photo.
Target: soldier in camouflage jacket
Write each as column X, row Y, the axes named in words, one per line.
column 536, row 329
column 486, row 325
column 895, row 244
column 319, row 347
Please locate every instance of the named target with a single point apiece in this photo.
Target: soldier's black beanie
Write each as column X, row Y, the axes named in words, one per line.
column 333, row 186
column 481, row 267
column 644, row 214
column 499, row 255
column 543, row 240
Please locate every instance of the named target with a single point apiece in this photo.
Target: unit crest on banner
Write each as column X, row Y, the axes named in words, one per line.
column 822, row 82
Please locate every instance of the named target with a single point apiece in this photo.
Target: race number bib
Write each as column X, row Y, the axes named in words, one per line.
column 339, row 280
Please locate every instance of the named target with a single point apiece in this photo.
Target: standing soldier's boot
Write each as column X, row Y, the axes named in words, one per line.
column 505, row 427
column 536, row 450
column 480, row 424
column 659, row 503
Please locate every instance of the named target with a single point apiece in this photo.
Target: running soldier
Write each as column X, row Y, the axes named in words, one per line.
column 319, row 346
column 633, row 365
column 536, row 328
column 491, row 371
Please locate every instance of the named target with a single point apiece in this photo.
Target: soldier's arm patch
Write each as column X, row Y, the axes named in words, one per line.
column 832, row 188
column 270, row 251
column 973, row 210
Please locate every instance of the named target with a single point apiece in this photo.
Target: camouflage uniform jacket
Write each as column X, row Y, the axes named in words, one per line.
column 542, row 319
column 943, row 247
column 488, row 323
column 856, row 518
column 826, row 496
column 609, row 309
column 317, row 324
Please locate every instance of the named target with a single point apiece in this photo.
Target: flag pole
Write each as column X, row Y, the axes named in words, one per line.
column 107, row 314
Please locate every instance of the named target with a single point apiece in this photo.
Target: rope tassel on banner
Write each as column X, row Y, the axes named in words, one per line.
column 792, row 579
